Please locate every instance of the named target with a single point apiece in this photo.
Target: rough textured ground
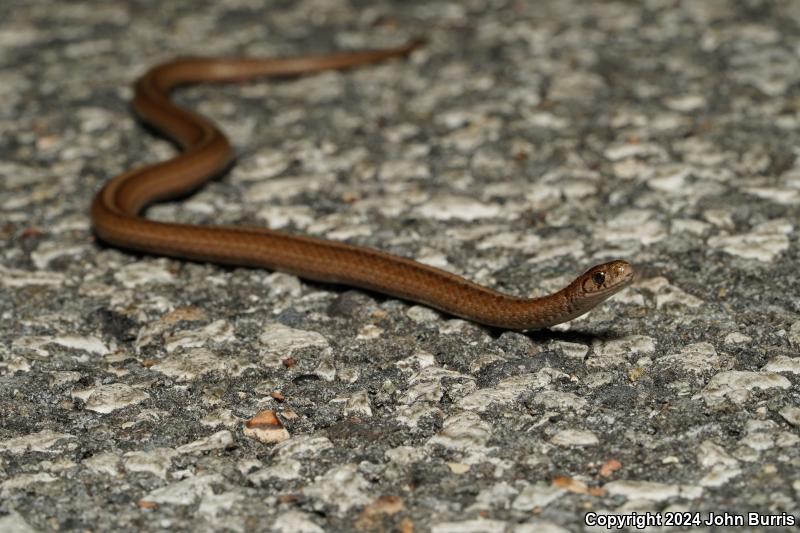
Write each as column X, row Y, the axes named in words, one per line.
column 526, row 142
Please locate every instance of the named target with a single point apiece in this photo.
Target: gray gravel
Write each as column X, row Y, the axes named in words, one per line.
column 526, row 142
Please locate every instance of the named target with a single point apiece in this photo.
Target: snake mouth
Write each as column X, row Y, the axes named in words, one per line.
column 627, row 273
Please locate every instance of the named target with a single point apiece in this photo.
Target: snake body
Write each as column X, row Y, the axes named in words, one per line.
column 205, row 152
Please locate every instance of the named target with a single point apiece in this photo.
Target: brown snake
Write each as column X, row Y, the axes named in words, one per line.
column 206, row 152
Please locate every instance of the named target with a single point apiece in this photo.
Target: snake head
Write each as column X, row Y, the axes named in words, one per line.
column 602, row 281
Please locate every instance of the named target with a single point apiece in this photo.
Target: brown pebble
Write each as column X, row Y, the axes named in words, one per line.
column 597, row 491
column 31, row 232
column 188, row 314
column 264, row 419
column 266, row 427
column 406, row 525
column 609, row 467
column 145, row 504
column 287, row 498
column 570, row 484
column 350, row 197
column 278, row 397
column 374, row 512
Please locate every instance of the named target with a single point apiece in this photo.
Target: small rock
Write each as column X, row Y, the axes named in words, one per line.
column 572, row 350
column 281, row 342
column 372, row 515
column 13, row 278
column 645, row 490
column 719, row 475
column 184, row 492
column 26, row 480
column 302, row 447
column 145, row 272
column 764, row 243
column 85, row 344
column 42, row 441
column 284, row 470
column 667, row 294
column 537, row 496
column 13, row 522
column 215, row 505
column 103, row 463
column 358, row 405
column 558, row 400
column 416, row 361
column 108, row 398
column 184, row 314
column 219, row 331
column 156, row 461
column 458, row 468
column 709, row 454
column 449, row 207
column 369, row 332
column 464, row 431
column 470, row 526
column 737, row 338
column 422, row 315
column 783, row 363
column 575, row 437
column 266, row 427
column 498, row 495
column 736, row 384
column 296, row 522
column 341, row 487
column 326, row 369
column 189, row 365
column 508, row 390
column 697, row 358
column 218, row 441
column 618, row 351
column 794, row 334
column 791, row 414
column 539, row 526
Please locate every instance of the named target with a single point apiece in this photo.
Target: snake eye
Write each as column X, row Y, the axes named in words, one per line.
column 599, row 278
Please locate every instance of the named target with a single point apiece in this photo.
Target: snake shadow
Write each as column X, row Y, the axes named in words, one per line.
column 575, row 336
